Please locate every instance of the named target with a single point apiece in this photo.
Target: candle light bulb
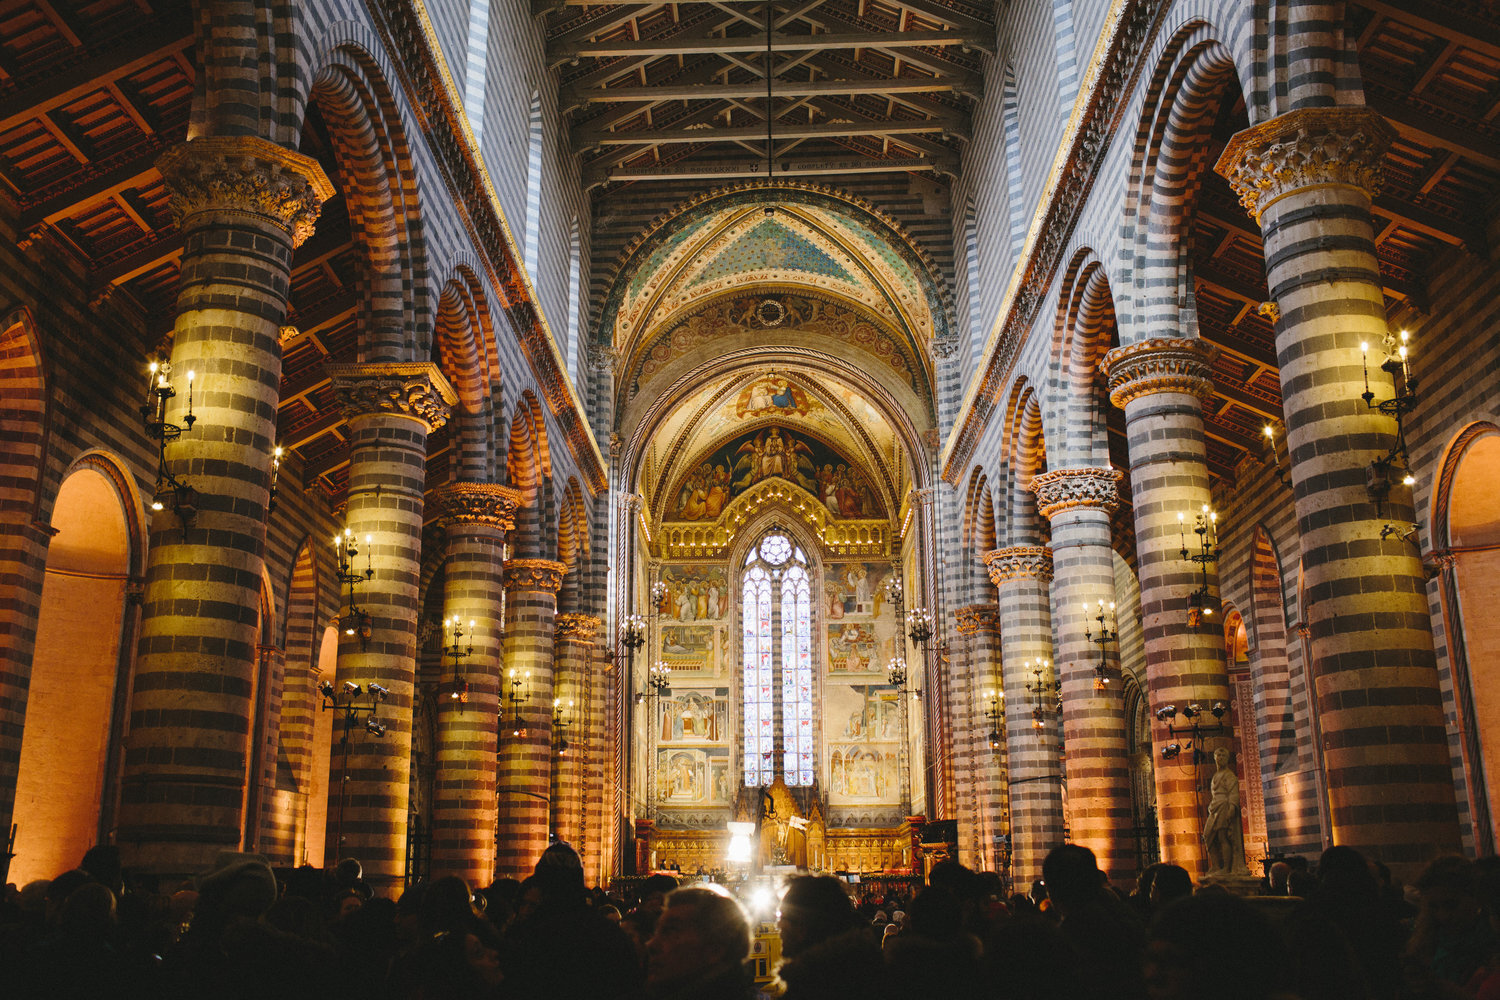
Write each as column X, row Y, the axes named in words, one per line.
column 1404, row 336
column 1364, row 347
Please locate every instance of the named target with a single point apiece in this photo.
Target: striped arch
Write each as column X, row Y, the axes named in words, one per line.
column 1026, row 455
column 377, row 179
column 1171, row 154
column 978, row 538
column 529, row 469
column 466, row 354
column 248, row 80
column 1086, row 329
column 572, row 545
column 23, row 419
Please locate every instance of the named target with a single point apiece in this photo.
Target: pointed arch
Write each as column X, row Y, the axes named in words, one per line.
column 1085, row 332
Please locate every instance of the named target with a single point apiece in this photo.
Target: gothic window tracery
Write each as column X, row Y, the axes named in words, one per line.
column 777, row 676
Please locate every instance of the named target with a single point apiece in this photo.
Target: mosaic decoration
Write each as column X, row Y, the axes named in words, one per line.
column 770, row 245
column 734, row 467
column 807, row 315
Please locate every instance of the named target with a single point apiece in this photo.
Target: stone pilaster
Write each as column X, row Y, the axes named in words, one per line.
column 286, row 841
column 1161, row 385
column 1096, row 765
column 476, row 517
column 1023, row 576
column 979, row 769
column 573, row 692
column 390, row 408
column 242, row 204
column 1308, row 177
column 524, row 782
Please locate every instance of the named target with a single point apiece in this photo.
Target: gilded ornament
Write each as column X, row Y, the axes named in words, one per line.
column 978, row 618
column 577, row 627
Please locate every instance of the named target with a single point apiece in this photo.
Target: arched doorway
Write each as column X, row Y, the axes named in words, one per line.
column 76, row 669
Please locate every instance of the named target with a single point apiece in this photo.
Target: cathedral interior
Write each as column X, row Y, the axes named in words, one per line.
column 908, row 429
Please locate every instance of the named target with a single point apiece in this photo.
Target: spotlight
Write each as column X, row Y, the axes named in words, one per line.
column 1170, row 751
column 1219, row 709
column 381, row 693
column 1191, row 711
column 326, row 688
column 1165, row 712
column 352, row 689
column 763, row 901
column 374, row 728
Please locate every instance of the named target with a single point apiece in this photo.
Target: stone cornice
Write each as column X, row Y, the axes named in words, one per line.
column 244, row 173
column 1162, row 364
column 415, row 389
column 534, row 574
column 1305, row 148
column 477, row 503
column 1019, row 562
column 1068, row 489
column 978, row 618
column 1097, row 115
column 577, row 628
column 408, row 34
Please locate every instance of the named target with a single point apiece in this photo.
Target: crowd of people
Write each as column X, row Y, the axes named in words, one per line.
column 1348, row 934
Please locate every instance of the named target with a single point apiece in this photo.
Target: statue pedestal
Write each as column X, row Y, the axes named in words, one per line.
column 1239, row 883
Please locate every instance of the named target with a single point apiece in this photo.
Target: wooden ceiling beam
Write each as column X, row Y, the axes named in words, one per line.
column 1478, row 33
column 712, row 44
column 968, row 83
column 588, row 138
column 819, row 167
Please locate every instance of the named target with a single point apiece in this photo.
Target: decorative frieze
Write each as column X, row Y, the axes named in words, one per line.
column 1066, row 489
column 478, row 503
column 978, row 618
column 1018, row 562
column 409, row 389
column 1303, row 148
column 1162, row 364
column 577, row 628
column 247, row 174
column 534, row 574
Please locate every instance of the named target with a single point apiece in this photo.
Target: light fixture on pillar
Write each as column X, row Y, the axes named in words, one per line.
column 896, row 674
column 919, row 626
column 994, row 711
column 562, row 718
column 1206, row 527
column 660, row 679
column 1107, row 632
column 345, row 699
column 457, row 688
column 1397, row 363
column 1194, row 730
column 276, row 454
column 515, row 697
column 355, row 621
column 1046, row 697
column 169, row 490
column 1272, row 457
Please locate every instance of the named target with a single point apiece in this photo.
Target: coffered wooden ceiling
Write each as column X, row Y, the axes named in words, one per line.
column 91, row 92
column 678, row 91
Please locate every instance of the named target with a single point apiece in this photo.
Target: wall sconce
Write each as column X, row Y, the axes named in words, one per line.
column 896, row 675
column 919, row 626
column 994, row 711
column 1107, row 632
column 1273, row 458
column 520, row 680
column 1206, row 527
column 458, row 688
column 562, row 718
column 276, row 454
column 356, row 621
column 1038, row 686
column 169, row 490
column 660, row 679
column 1194, row 730
column 1397, row 364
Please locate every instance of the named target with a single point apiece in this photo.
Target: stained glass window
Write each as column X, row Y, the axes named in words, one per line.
column 769, row 666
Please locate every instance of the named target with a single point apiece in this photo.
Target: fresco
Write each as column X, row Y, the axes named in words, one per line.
column 694, row 593
column 862, row 731
column 774, row 394
column 854, row 648
column 855, row 590
column 688, row 648
column 772, row 451
column 689, row 776
column 693, row 716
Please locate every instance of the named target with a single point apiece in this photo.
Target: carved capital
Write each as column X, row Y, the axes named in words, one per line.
column 1017, row 562
column 577, row 628
column 922, row 497
column 978, row 618
column 1306, row 148
column 244, row 173
column 478, row 503
column 1163, row 364
column 631, row 502
column 534, row 574
column 409, row 389
column 1066, row 489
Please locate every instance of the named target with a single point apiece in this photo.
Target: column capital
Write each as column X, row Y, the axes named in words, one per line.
column 631, row 502
column 534, row 574
column 1017, row 562
column 477, row 503
column 1161, row 364
column 415, row 389
column 978, row 618
column 1066, row 489
column 1306, row 148
column 245, row 173
column 577, row 628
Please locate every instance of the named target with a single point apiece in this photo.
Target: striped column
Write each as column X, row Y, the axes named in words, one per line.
column 979, row 768
column 1307, row 177
column 524, row 782
column 1096, row 765
column 264, row 833
column 572, row 691
column 598, row 780
column 1023, row 576
column 299, row 703
column 476, row 517
column 1161, row 385
column 242, row 203
column 390, row 409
